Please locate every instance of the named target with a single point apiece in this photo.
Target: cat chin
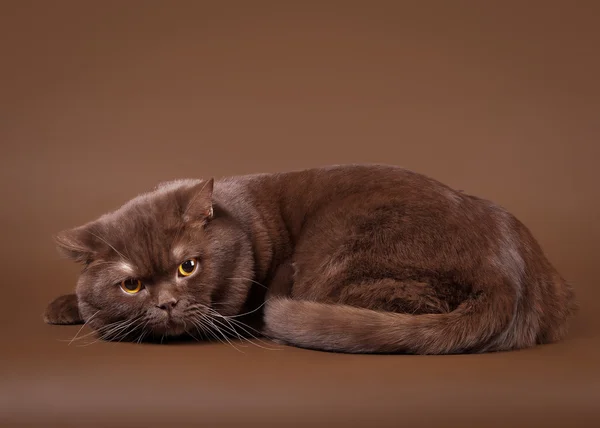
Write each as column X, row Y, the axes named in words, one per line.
column 175, row 331
column 170, row 329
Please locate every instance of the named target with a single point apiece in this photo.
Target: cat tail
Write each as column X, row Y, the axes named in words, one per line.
column 473, row 327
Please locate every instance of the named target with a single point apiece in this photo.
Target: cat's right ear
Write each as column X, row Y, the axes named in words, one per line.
column 200, row 207
column 78, row 244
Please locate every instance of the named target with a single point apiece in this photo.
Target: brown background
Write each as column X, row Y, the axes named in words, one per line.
column 102, row 100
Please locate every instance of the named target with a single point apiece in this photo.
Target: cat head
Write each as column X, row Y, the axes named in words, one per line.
column 161, row 264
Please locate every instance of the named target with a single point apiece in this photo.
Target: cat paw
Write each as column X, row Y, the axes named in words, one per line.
column 63, row 311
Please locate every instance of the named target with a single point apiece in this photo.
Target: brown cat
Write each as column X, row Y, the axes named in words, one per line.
column 356, row 258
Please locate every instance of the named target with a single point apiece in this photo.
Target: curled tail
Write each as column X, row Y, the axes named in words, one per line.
column 472, row 327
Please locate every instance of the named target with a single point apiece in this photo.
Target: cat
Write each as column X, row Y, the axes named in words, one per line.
column 357, row 258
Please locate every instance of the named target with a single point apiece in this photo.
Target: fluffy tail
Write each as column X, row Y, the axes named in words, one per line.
column 472, row 327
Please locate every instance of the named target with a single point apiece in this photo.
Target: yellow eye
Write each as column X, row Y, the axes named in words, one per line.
column 188, row 267
column 131, row 286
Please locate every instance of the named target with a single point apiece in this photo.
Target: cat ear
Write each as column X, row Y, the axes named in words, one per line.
column 77, row 244
column 200, row 206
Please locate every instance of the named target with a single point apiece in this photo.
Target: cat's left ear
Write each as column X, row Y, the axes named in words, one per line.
column 200, row 206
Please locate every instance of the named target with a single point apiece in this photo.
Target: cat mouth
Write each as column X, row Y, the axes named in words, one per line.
column 169, row 327
column 175, row 328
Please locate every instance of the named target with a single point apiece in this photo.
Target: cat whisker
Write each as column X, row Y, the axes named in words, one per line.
column 231, row 324
column 108, row 335
column 198, row 327
column 201, row 328
column 228, row 328
column 116, row 330
column 245, row 328
column 212, row 324
column 127, row 331
column 193, row 307
column 127, row 324
column 257, row 337
column 250, row 312
column 251, row 280
column 240, row 337
column 211, row 328
column 143, row 332
column 194, row 337
column 97, row 331
column 81, row 328
column 208, row 308
column 101, row 332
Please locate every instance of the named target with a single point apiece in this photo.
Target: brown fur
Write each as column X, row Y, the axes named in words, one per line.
column 63, row 311
column 356, row 258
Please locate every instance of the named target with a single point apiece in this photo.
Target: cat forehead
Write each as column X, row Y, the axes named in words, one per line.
column 178, row 251
column 125, row 267
column 148, row 232
column 115, row 267
column 148, row 247
column 114, row 271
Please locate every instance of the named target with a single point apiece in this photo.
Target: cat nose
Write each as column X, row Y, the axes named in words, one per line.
column 167, row 304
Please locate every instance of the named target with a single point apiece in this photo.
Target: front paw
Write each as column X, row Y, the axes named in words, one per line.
column 63, row 310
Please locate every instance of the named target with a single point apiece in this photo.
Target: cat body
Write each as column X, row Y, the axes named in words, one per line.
column 353, row 258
